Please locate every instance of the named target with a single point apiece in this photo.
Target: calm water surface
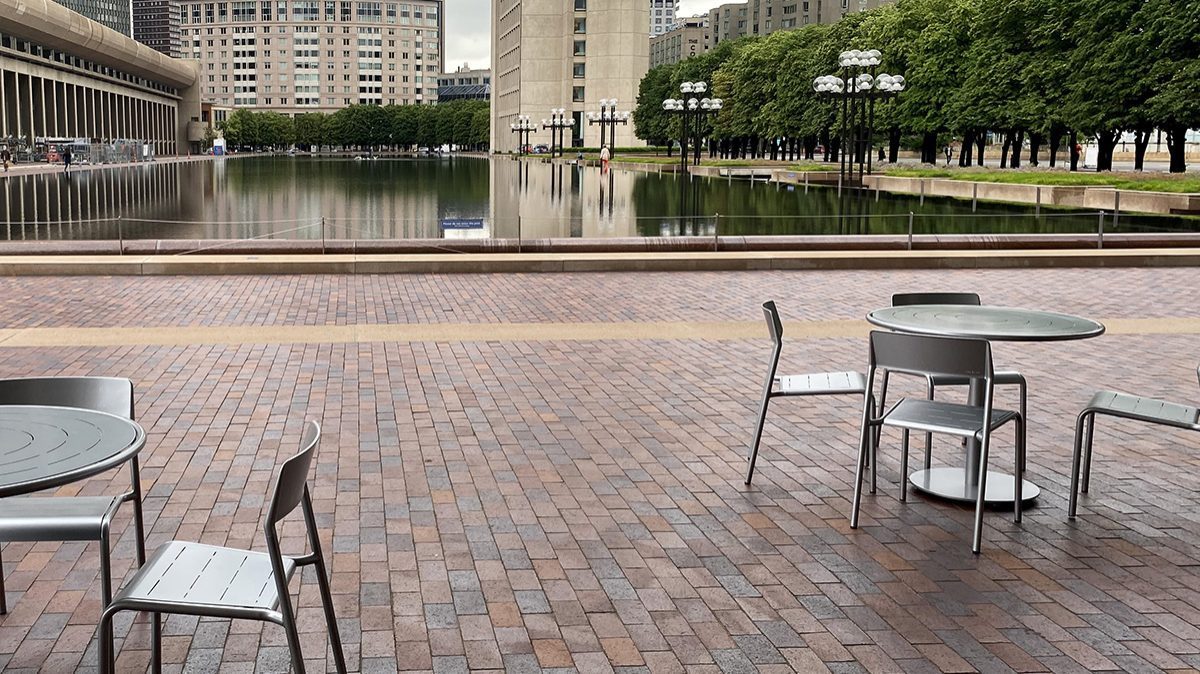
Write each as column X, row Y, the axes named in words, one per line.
column 466, row 197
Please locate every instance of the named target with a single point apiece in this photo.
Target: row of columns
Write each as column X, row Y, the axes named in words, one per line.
column 33, row 106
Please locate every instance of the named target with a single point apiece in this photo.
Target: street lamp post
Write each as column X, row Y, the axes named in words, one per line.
column 691, row 113
column 523, row 127
column 609, row 118
column 558, row 124
column 858, row 88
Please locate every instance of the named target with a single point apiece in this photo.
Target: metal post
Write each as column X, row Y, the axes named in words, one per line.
column 1100, row 232
column 716, row 232
column 974, row 196
column 1117, row 209
column 910, row 229
column 1037, row 209
column 322, row 234
column 120, row 238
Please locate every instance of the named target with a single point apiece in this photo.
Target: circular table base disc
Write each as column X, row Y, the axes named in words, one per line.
column 951, row 484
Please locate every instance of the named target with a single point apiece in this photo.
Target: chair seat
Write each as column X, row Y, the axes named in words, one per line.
column 1145, row 409
column 1001, row 377
column 935, row 416
column 820, row 383
column 205, row 580
column 57, row 518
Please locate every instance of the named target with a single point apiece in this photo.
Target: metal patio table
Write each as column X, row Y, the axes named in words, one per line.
column 42, row 447
column 993, row 324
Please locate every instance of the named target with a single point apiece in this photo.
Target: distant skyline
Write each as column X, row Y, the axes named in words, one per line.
column 468, row 29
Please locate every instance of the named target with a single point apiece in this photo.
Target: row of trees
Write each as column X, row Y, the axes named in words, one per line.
column 1035, row 72
column 462, row 123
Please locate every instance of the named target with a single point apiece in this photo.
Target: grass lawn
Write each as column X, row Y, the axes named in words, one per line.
column 766, row 163
column 1151, row 182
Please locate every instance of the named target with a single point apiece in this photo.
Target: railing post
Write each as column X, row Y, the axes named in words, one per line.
column 910, row 229
column 716, row 232
column 1117, row 209
column 1100, row 232
column 322, row 234
column 120, row 238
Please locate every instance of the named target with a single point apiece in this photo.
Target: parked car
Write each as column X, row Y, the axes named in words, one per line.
column 541, row 149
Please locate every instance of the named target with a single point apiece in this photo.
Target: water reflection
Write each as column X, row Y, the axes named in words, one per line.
column 463, row 197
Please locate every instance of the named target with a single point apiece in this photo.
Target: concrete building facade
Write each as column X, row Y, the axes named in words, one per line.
column 464, row 83
column 688, row 38
column 296, row 56
column 115, row 14
column 549, row 54
column 728, row 22
column 768, row 16
column 662, row 15
column 156, row 24
column 63, row 75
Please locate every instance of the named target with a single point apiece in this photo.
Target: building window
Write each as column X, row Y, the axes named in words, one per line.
column 580, row 5
column 578, row 71
column 577, row 94
column 580, row 26
column 580, row 47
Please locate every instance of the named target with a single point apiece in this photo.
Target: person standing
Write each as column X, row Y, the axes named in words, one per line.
column 5, row 157
column 66, row 159
column 949, row 152
column 605, row 157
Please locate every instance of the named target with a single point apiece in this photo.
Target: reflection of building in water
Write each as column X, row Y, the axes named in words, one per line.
column 529, row 200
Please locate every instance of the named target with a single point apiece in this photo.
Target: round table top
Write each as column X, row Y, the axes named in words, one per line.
column 43, row 447
column 992, row 323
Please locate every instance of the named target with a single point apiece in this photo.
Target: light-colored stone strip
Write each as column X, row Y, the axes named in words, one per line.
column 487, row 332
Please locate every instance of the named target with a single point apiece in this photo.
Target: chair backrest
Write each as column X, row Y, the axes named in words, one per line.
column 927, row 355
column 908, row 299
column 293, row 475
column 113, row 395
column 774, row 325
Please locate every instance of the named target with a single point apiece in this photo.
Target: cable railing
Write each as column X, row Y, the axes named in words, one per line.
column 766, row 231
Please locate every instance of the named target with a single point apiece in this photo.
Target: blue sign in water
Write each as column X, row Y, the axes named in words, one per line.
column 462, row 223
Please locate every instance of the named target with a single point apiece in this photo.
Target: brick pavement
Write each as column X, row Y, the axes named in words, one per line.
column 578, row 506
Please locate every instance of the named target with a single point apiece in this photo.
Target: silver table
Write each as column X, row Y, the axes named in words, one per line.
column 993, row 324
column 43, row 447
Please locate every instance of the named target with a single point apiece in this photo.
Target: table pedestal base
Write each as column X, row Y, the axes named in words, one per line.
column 952, row 484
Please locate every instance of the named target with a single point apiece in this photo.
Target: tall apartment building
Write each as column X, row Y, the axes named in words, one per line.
column 116, row 14
column 156, row 24
column 662, row 15
column 728, row 22
column 768, row 16
column 549, row 54
column 688, row 38
column 295, row 56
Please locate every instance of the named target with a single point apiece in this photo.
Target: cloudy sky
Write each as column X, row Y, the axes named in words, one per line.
column 468, row 32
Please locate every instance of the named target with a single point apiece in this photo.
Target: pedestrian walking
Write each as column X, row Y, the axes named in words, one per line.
column 605, row 157
column 66, row 160
column 949, row 152
column 5, row 157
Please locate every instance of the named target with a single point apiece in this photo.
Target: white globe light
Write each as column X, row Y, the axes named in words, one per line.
column 700, row 87
column 686, row 87
column 899, row 79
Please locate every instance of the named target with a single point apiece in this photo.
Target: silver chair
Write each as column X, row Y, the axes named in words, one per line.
column 72, row 518
column 1125, row 406
column 1003, row 377
column 924, row 356
column 818, row 384
column 204, row 580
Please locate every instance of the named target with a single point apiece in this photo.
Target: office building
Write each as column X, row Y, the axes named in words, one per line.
column 768, row 16
column 662, row 15
column 295, row 56
column 115, row 14
column 686, row 39
column 549, row 54
column 728, row 22
column 464, row 84
column 156, row 24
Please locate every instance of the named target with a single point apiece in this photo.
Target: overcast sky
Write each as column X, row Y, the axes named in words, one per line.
column 468, row 29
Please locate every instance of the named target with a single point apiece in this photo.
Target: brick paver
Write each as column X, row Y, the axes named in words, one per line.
column 578, row 505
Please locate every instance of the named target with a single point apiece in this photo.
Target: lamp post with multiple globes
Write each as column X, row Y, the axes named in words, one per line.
column 858, row 88
column 523, row 127
column 691, row 113
column 558, row 124
column 609, row 118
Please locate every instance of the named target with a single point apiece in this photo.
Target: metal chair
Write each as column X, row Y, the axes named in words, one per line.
column 1003, row 377
column 1125, row 406
column 818, row 384
column 924, row 356
column 205, row 580
column 72, row 518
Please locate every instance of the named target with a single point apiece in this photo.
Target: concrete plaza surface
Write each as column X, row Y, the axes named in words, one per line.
column 543, row 472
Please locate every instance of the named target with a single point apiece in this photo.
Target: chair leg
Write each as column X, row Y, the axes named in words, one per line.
column 866, row 436
column 105, row 568
column 758, row 431
column 138, row 521
column 335, row 639
column 1020, row 469
column 288, row 620
column 1087, row 452
column 156, row 643
column 977, row 537
column 904, row 467
column 1076, row 460
column 105, row 637
column 932, row 389
column 883, row 386
column 3, row 592
column 1023, row 389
